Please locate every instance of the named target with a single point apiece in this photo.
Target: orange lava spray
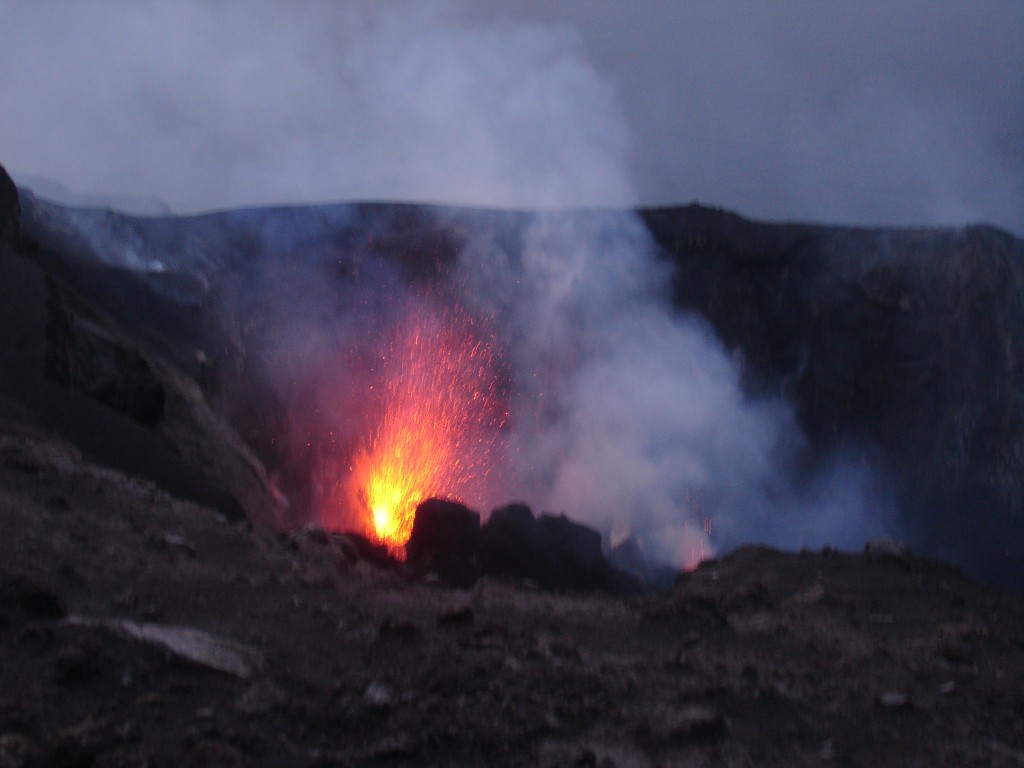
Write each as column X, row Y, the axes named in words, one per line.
column 438, row 426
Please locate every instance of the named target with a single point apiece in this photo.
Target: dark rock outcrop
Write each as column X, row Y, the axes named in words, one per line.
column 83, row 354
column 10, row 209
column 90, row 353
column 907, row 345
column 58, row 338
column 445, row 540
column 552, row 551
column 509, row 542
column 364, row 549
column 24, row 598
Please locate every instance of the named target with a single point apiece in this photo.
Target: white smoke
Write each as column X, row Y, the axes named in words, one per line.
column 632, row 418
column 907, row 114
column 212, row 104
column 625, row 415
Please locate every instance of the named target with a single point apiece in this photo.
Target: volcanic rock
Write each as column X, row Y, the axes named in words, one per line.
column 16, row 751
column 259, row 698
column 695, row 723
column 405, row 678
column 886, row 547
column 358, row 547
column 90, row 353
column 456, row 617
column 904, row 344
column 10, row 208
column 552, row 551
column 378, row 695
column 573, row 552
column 893, row 700
column 79, row 663
column 84, row 742
column 61, row 357
column 445, row 540
column 187, row 643
column 81, row 353
column 509, row 542
column 26, row 598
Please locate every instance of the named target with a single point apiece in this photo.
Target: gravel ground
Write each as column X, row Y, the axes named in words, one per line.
column 137, row 629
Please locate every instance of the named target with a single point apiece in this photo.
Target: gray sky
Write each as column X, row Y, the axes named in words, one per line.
column 869, row 112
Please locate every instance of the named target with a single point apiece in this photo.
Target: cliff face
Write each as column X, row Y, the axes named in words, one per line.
column 908, row 341
column 10, row 208
column 907, row 345
column 77, row 360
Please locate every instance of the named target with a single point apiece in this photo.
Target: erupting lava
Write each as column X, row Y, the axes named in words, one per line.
column 439, row 420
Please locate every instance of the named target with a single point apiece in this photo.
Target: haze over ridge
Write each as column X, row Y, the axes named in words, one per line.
column 903, row 113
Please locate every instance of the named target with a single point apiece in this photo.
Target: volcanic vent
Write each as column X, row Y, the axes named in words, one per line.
column 434, row 415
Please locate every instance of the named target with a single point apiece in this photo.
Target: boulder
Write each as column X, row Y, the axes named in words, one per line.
column 552, row 550
column 572, row 540
column 445, row 540
column 510, row 543
column 361, row 548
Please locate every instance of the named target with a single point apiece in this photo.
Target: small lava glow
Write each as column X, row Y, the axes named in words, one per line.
column 439, row 418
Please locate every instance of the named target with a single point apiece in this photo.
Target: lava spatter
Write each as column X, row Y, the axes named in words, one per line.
column 438, row 421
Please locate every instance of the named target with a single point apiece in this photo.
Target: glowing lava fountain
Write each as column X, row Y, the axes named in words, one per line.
column 439, row 418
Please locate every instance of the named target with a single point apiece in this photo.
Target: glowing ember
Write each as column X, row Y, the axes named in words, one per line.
column 438, row 430
column 695, row 547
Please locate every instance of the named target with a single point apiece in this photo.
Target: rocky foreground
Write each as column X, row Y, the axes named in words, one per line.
column 137, row 629
column 150, row 616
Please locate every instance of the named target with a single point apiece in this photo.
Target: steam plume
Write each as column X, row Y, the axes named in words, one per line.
column 633, row 418
column 626, row 415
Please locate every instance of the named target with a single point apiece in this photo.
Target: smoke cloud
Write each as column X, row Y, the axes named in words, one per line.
column 210, row 104
column 633, row 419
column 872, row 113
column 878, row 112
column 624, row 414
